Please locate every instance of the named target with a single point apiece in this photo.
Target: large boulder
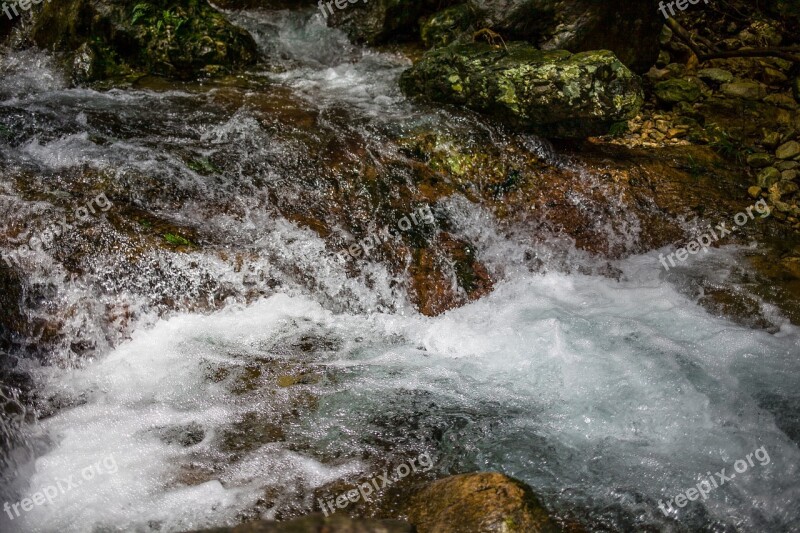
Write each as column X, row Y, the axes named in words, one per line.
column 379, row 21
column 175, row 38
column 484, row 502
column 554, row 93
column 629, row 29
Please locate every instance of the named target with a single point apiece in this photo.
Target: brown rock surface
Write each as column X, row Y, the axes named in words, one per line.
column 484, row 502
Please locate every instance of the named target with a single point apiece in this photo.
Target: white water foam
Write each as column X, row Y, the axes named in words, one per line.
column 611, row 388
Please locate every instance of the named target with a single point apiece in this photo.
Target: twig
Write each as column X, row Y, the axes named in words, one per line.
column 781, row 52
column 684, row 36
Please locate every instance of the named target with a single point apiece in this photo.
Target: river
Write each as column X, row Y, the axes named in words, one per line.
column 245, row 374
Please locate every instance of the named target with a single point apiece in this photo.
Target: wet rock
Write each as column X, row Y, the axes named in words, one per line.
column 759, row 160
column 250, row 433
column 485, row 502
column 788, row 150
column 768, row 176
column 678, row 90
column 715, row 75
column 303, row 378
column 787, row 165
column 631, row 29
column 554, row 93
column 187, row 435
column 110, row 38
column 781, row 100
column 317, row 523
column 771, row 139
column 747, row 90
column 771, row 76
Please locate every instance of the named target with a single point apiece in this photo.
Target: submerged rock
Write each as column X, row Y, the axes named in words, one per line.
column 554, row 93
column 107, row 38
column 485, row 502
column 317, row 523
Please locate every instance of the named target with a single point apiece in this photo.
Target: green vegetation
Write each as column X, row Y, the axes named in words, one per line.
column 176, row 240
column 203, row 166
column 618, row 129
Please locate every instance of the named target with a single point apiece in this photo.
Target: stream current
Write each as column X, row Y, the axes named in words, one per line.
column 605, row 393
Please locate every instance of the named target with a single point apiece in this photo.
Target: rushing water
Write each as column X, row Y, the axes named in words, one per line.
column 605, row 394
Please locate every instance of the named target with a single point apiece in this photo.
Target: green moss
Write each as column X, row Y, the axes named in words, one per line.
column 552, row 92
column 114, row 38
column 203, row 166
column 176, row 240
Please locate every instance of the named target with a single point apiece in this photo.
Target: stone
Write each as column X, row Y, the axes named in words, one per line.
column 759, row 160
column 772, row 76
column 444, row 27
column 783, row 188
column 315, row 523
column 483, row 502
column 665, row 35
column 771, row 139
column 788, row 150
column 789, row 175
column 796, row 88
column 553, row 93
column 746, row 90
column 787, row 165
column 768, row 177
column 754, row 191
column 781, row 100
column 104, row 39
column 678, row 90
column 631, row 30
column 380, row 21
column 715, row 75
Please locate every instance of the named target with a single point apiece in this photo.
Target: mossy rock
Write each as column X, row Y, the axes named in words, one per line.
column 183, row 39
column 444, row 27
column 485, row 502
column 678, row 90
column 554, row 93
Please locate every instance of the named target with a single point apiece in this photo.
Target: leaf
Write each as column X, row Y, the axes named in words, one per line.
column 140, row 11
